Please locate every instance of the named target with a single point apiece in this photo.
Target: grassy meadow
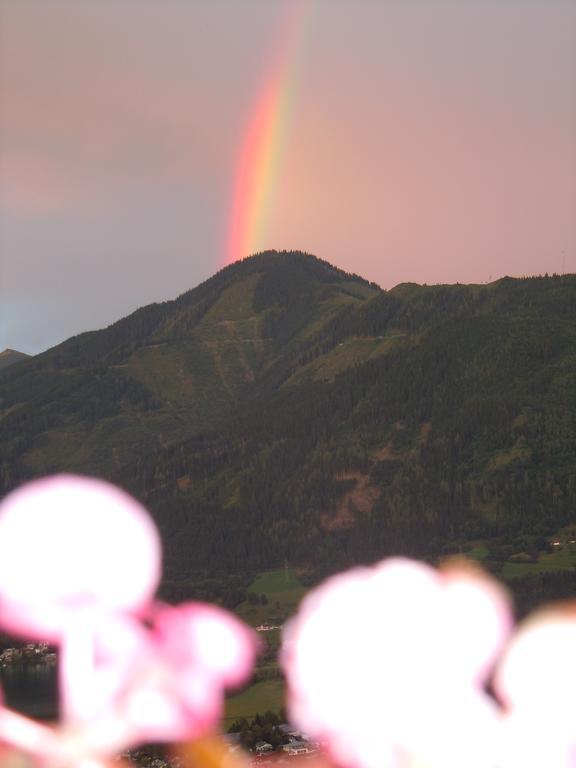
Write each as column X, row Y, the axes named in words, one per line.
column 258, row 698
column 562, row 557
column 283, row 591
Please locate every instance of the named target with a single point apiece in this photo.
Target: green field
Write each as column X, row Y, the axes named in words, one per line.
column 275, row 581
column 267, row 695
column 477, row 552
column 562, row 560
column 283, row 590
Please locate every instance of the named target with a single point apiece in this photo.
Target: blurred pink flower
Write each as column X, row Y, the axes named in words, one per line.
column 166, row 682
column 72, row 548
column 79, row 565
column 387, row 665
column 536, row 682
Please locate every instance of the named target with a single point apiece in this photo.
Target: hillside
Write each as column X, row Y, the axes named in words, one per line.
column 10, row 356
column 285, row 411
column 168, row 371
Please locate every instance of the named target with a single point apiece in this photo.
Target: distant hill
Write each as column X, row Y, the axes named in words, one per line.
column 11, row 356
column 285, row 410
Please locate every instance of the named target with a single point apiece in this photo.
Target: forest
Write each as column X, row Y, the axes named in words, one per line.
column 286, row 412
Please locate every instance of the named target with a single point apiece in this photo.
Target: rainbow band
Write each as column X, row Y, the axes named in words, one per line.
column 258, row 166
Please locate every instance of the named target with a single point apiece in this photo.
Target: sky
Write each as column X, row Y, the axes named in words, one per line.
column 431, row 141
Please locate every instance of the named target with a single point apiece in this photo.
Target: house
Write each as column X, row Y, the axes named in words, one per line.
column 288, row 730
column 298, row 748
column 262, row 747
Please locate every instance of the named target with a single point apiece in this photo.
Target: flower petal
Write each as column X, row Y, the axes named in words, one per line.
column 70, row 544
column 536, row 680
column 375, row 668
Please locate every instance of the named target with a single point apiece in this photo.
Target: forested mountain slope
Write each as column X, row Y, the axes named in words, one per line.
column 287, row 411
column 100, row 399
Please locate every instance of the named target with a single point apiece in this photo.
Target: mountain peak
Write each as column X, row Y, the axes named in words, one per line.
column 312, row 266
column 10, row 356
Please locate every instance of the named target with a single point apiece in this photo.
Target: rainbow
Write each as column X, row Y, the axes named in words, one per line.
column 260, row 156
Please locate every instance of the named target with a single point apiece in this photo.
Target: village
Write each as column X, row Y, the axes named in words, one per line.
column 31, row 653
column 295, row 744
column 289, row 742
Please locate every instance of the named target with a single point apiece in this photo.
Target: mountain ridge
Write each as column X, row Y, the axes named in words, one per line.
column 286, row 410
column 162, row 348
column 10, row 356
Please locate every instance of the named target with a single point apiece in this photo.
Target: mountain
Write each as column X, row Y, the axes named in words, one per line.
column 285, row 410
column 171, row 370
column 11, row 356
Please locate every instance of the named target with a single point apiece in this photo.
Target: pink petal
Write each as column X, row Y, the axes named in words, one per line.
column 208, row 640
column 476, row 620
column 196, row 651
column 536, row 680
column 375, row 665
column 128, row 694
column 86, row 579
column 538, row 665
column 166, row 705
column 71, row 544
column 27, row 736
column 99, row 660
column 166, row 684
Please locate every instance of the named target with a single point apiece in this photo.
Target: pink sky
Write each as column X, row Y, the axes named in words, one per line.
column 427, row 141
